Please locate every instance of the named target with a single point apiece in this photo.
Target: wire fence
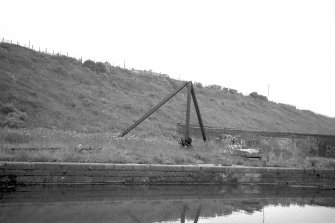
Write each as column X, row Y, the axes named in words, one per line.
column 47, row 51
column 38, row 49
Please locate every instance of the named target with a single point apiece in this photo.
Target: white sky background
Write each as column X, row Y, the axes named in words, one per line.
column 240, row 44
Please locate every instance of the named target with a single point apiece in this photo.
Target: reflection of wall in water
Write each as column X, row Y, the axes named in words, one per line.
column 149, row 204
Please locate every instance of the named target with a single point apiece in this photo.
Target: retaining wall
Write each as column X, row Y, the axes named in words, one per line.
column 325, row 143
column 26, row 173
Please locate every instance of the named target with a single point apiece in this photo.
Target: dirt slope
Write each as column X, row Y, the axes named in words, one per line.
column 59, row 92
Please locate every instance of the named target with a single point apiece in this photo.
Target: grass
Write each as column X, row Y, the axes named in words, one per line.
column 55, row 97
column 85, row 147
column 68, row 146
column 60, row 93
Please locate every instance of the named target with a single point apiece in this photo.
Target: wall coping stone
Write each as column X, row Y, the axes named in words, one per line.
column 152, row 167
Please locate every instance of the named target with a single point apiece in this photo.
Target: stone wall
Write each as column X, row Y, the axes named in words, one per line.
column 26, row 173
column 325, row 143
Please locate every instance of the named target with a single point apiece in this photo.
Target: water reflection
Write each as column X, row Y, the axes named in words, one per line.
column 183, row 214
column 277, row 214
column 167, row 204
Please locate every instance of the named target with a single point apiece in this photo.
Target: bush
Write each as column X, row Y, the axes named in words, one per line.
column 11, row 122
column 258, row 96
column 89, row 63
column 6, row 109
column 197, row 85
column 98, row 66
column 11, row 117
column 214, row 87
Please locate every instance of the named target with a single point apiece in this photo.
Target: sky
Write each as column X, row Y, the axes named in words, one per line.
column 284, row 49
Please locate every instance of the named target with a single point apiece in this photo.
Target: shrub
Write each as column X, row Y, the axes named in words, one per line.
column 11, row 117
column 11, row 122
column 232, row 91
column 98, row 66
column 198, row 85
column 214, row 87
column 6, row 109
column 60, row 70
column 258, row 96
column 89, row 63
column 5, row 46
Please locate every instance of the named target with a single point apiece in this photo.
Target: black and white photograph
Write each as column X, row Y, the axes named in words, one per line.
column 167, row 111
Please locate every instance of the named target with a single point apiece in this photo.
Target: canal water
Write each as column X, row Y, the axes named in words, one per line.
column 148, row 204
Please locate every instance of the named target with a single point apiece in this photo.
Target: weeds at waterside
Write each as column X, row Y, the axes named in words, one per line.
column 68, row 146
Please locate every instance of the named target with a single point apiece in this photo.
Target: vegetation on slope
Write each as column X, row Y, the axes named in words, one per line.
column 62, row 93
column 67, row 107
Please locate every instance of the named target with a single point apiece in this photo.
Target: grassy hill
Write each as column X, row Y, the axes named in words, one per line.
column 40, row 90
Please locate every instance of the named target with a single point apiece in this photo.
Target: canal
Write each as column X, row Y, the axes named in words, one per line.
column 148, row 204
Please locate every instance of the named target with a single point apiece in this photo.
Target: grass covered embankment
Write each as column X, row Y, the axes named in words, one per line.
column 53, row 108
column 57, row 92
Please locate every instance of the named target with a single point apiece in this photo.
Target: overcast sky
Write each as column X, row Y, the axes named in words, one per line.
column 240, row 44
